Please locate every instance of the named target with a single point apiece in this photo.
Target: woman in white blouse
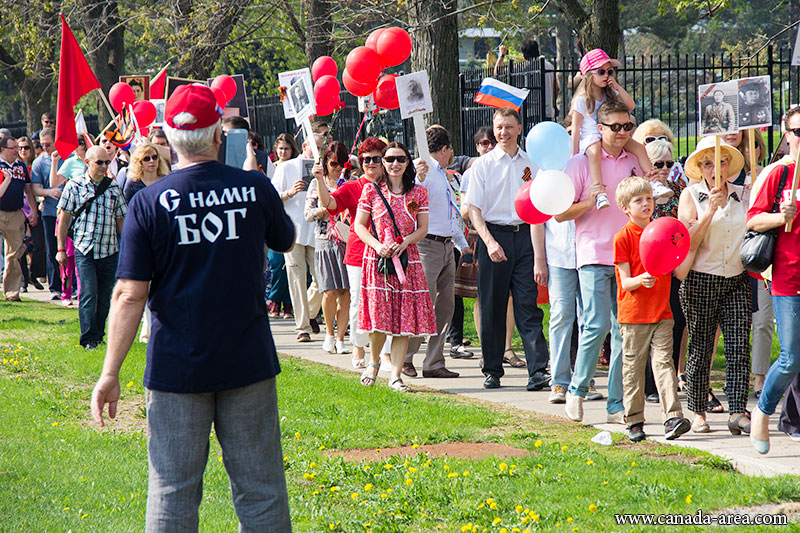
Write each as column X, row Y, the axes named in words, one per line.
column 717, row 288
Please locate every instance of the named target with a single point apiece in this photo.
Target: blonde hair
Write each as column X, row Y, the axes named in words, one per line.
column 658, row 149
column 630, row 187
column 652, row 127
column 585, row 89
column 135, row 171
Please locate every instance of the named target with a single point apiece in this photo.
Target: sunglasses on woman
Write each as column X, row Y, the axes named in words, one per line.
column 393, row 158
column 651, row 138
column 603, row 71
column 334, row 164
column 662, row 164
column 24, row 147
column 628, row 126
column 149, row 158
column 486, row 142
column 371, row 160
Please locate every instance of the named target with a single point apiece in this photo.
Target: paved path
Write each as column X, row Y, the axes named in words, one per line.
column 784, row 456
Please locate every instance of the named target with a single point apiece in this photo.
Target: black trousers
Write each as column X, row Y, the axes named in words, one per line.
column 789, row 421
column 39, row 255
column 495, row 280
column 455, row 332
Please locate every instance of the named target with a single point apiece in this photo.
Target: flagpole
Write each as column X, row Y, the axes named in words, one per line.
column 108, row 105
column 160, row 72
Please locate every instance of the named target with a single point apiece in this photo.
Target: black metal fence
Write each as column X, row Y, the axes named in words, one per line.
column 663, row 87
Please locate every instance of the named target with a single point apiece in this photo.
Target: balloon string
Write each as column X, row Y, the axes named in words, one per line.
column 358, row 133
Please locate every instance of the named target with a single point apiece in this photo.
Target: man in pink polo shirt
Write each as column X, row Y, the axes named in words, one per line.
column 594, row 236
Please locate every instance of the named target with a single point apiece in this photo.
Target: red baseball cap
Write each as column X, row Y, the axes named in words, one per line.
column 596, row 59
column 196, row 99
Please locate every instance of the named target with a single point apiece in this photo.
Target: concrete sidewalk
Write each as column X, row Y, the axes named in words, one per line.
column 783, row 458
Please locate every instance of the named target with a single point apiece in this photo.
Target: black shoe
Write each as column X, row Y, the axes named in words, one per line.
column 409, row 370
column 652, row 398
column 492, row 382
column 439, row 373
column 675, row 427
column 538, row 381
column 314, row 325
column 459, row 352
column 636, row 432
column 55, row 296
column 37, row 285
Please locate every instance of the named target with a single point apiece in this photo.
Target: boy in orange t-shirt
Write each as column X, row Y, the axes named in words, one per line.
column 645, row 318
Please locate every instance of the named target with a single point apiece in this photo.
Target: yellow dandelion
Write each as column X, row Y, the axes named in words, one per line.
column 219, row 458
column 592, row 508
column 489, row 500
column 322, row 448
column 534, row 516
column 447, row 467
column 308, row 476
column 452, row 474
column 569, row 519
column 564, row 448
column 415, row 445
column 633, row 464
column 503, row 467
column 388, row 466
column 36, row 358
column 496, row 521
column 368, row 487
column 313, row 465
column 526, row 531
column 66, row 508
column 84, row 515
column 384, row 496
column 493, row 506
column 539, row 465
column 297, row 435
column 334, row 489
column 315, row 493
column 537, row 443
column 354, row 496
column 366, row 467
column 525, row 520
column 130, row 384
column 412, row 469
column 466, row 527
column 389, row 491
column 503, row 530
column 332, row 526
column 689, row 498
column 55, row 424
column 518, row 508
column 605, row 482
column 590, row 462
column 406, row 463
column 408, row 482
column 466, row 473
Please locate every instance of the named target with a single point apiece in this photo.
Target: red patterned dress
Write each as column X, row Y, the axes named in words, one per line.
column 386, row 305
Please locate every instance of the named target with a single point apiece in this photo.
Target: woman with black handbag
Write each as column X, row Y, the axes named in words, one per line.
column 392, row 217
column 716, row 290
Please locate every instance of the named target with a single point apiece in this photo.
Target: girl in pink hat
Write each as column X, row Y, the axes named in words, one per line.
column 599, row 85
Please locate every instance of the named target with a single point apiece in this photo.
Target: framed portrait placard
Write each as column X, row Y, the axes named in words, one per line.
column 140, row 85
column 718, row 108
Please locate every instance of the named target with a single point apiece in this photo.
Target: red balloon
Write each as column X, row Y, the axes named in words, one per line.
column 664, row 245
column 364, row 64
column 324, row 111
column 524, row 207
column 145, row 113
column 227, row 84
column 357, row 88
column 222, row 100
column 386, row 93
column 394, row 46
column 326, row 91
column 372, row 40
column 323, row 66
column 120, row 95
column 145, row 131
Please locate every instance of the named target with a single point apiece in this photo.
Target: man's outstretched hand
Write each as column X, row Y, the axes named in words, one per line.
column 105, row 392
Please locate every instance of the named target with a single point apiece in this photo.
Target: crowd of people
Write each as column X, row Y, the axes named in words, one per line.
column 382, row 249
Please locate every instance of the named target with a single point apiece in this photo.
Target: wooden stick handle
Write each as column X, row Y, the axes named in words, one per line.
column 717, row 169
column 751, row 146
column 794, row 189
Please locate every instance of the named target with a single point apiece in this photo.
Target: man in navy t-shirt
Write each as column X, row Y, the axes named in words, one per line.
column 211, row 357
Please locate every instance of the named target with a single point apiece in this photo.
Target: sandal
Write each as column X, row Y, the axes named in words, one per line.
column 513, row 360
column 397, row 385
column 739, row 423
column 366, row 379
column 358, row 364
column 714, row 404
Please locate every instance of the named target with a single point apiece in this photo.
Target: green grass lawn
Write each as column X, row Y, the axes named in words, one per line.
column 59, row 473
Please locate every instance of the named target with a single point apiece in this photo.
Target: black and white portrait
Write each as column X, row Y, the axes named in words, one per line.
column 414, row 94
column 719, row 104
column 755, row 106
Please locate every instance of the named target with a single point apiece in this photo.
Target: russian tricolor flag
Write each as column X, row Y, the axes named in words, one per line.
column 498, row 94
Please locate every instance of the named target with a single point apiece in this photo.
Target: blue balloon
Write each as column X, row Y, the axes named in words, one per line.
column 549, row 146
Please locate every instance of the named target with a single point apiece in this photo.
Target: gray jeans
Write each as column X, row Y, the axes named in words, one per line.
column 247, row 427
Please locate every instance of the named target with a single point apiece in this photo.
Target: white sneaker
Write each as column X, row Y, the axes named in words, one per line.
column 661, row 193
column 616, row 418
column 593, row 395
column 328, row 344
column 601, row 201
column 557, row 394
column 341, row 348
column 574, row 407
column 386, row 365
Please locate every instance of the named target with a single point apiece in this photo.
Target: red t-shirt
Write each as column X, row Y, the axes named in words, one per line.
column 786, row 262
column 347, row 196
column 644, row 305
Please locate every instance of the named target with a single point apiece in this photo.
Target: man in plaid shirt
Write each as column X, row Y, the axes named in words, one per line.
column 96, row 239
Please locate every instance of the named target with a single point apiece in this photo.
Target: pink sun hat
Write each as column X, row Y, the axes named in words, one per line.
column 596, row 59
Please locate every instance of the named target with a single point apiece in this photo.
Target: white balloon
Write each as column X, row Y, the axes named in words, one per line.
column 552, row 192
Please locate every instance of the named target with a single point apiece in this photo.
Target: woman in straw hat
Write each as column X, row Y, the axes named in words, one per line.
column 717, row 288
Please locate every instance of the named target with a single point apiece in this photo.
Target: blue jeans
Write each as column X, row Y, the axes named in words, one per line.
column 97, row 281
column 279, row 292
column 248, row 430
column 562, row 286
column 784, row 370
column 599, row 302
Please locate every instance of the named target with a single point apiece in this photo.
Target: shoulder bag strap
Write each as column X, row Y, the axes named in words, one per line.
column 776, row 205
column 388, row 208
column 104, row 185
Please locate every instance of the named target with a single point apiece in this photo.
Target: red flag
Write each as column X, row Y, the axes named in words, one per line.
column 75, row 79
column 158, row 84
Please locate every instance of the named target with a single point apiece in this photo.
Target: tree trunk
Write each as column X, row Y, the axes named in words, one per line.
column 434, row 32
column 36, row 96
column 319, row 27
column 105, row 46
column 598, row 28
column 564, row 42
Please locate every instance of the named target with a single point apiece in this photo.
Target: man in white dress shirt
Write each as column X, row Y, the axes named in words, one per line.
column 436, row 254
column 288, row 181
column 505, row 253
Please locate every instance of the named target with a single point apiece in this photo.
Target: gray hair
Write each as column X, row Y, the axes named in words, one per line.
column 659, row 149
column 190, row 142
column 5, row 132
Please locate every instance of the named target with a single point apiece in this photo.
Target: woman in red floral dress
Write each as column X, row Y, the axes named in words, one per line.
column 387, row 306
